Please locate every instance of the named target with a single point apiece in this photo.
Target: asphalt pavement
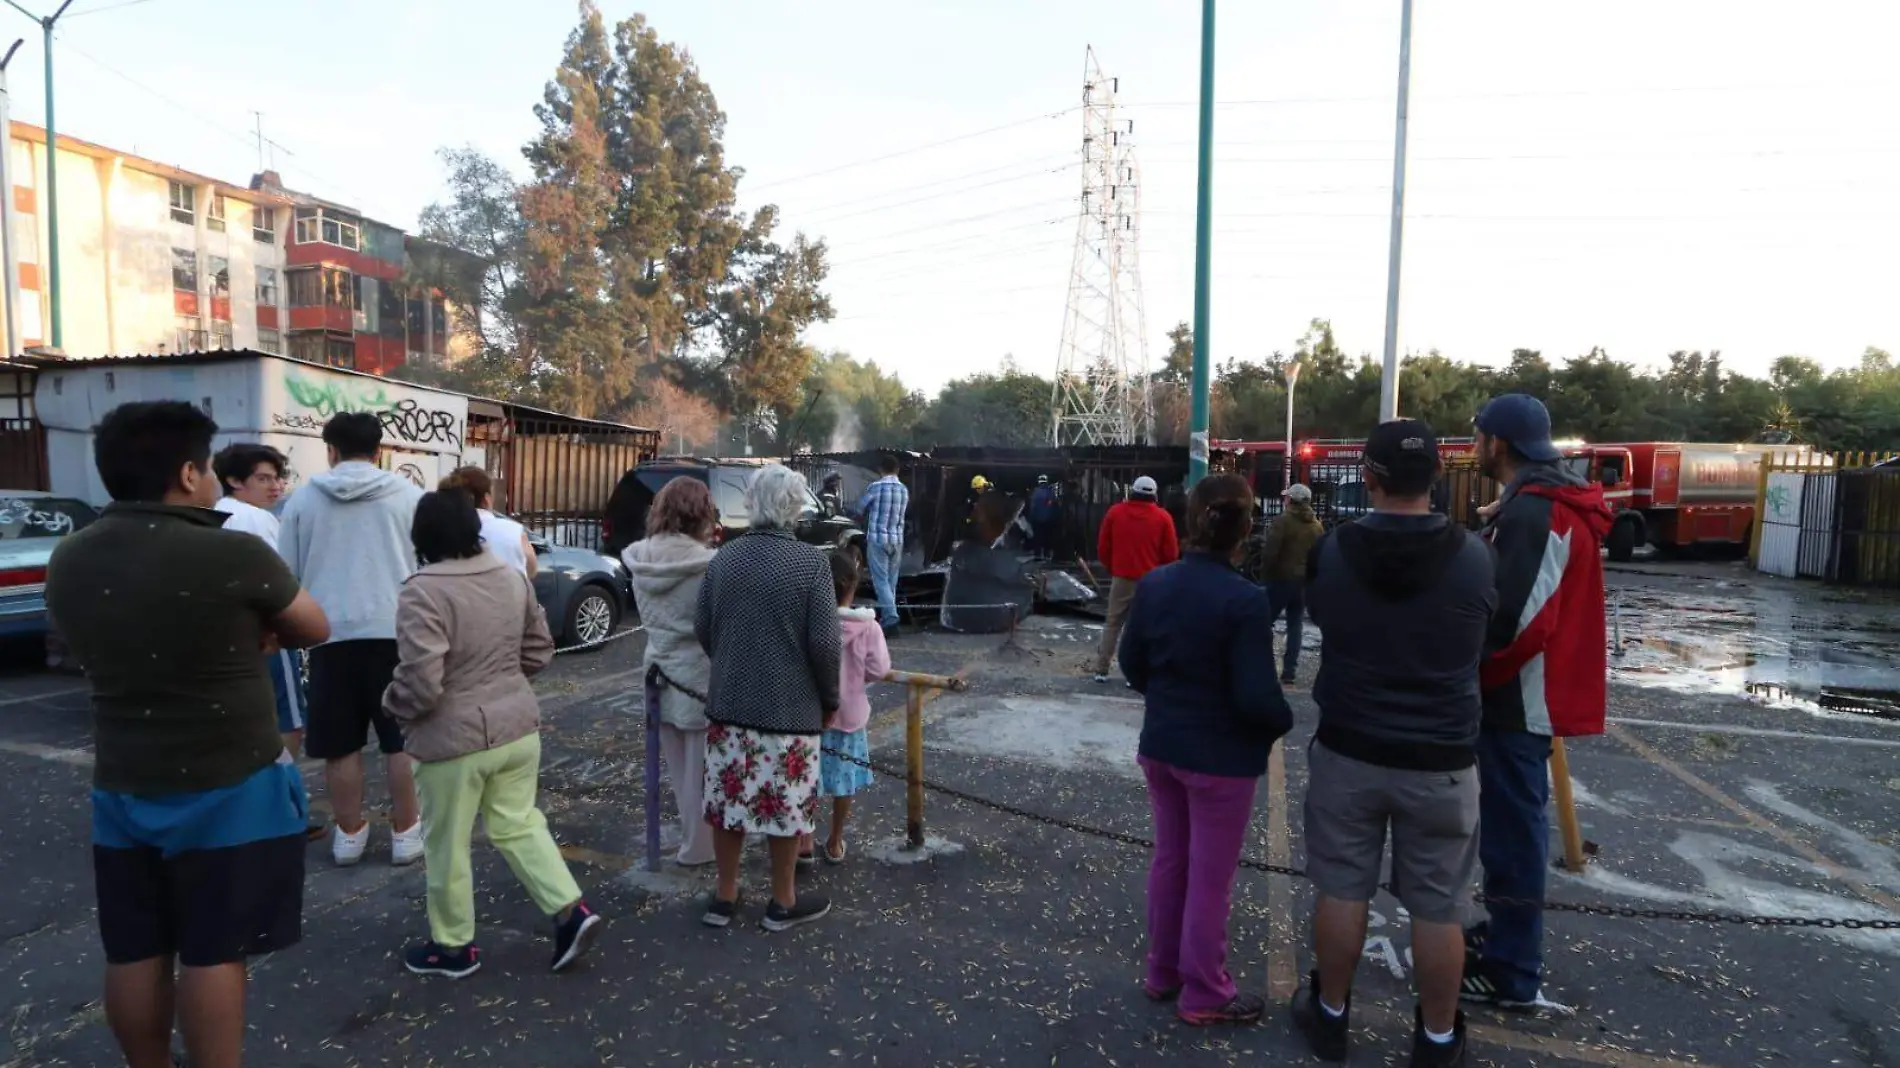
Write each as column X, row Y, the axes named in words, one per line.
column 1019, row 943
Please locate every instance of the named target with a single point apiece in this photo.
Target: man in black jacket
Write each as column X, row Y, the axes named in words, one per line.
column 1402, row 598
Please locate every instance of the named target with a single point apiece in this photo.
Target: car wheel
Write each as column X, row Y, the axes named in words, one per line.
column 592, row 617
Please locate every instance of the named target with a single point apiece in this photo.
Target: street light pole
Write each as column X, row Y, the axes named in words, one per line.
column 1203, row 252
column 11, row 281
column 1292, row 376
column 1389, row 380
column 52, row 168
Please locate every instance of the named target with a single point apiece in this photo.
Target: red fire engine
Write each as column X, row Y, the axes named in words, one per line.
column 1672, row 494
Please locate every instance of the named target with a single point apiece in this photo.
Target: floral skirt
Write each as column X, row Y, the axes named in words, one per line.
column 837, row 776
column 761, row 783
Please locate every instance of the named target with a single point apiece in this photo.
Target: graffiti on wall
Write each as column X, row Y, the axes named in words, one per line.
column 313, row 401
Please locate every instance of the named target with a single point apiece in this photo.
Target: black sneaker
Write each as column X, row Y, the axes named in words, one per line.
column 1241, row 1009
column 571, row 939
column 431, row 959
column 1326, row 1035
column 719, row 913
column 808, row 908
column 1429, row 1054
column 1288, row 678
column 1479, row 989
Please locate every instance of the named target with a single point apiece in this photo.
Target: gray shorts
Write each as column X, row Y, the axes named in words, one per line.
column 1434, row 820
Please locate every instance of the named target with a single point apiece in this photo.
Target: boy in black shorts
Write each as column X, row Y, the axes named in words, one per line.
column 198, row 811
column 345, row 536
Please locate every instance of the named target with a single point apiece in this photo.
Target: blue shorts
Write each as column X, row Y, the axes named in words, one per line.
column 838, row 777
column 286, row 682
column 209, row 877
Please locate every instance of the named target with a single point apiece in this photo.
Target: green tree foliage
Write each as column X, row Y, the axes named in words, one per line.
column 1006, row 408
column 623, row 263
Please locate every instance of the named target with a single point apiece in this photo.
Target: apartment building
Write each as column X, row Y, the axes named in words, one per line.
column 156, row 259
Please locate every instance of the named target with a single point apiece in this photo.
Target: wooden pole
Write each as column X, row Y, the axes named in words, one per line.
column 1566, row 806
column 914, row 766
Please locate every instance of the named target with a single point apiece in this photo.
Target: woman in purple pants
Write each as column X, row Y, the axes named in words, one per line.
column 1193, row 648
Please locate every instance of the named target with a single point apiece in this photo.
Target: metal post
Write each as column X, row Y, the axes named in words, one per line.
column 1203, row 253
column 653, row 772
column 1566, row 806
column 914, row 767
column 1389, row 380
column 52, row 168
column 1292, row 377
column 7, row 249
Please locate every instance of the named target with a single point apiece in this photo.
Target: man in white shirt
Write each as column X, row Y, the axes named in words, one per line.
column 253, row 479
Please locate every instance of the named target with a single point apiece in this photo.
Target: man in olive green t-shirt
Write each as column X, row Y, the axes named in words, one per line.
column 198, row 813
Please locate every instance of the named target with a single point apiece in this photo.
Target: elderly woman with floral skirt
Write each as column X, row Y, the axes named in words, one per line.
column 768, row 618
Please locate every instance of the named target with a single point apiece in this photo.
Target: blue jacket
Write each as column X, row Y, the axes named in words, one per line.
column 1199, row 646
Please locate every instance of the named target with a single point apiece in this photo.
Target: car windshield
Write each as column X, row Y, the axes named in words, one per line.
column 42, row 517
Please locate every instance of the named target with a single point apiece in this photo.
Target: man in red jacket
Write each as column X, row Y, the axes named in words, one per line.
column 1543, row 677
column 1137, row 537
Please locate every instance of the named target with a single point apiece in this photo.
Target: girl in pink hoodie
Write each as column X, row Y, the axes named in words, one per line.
column 866, row 659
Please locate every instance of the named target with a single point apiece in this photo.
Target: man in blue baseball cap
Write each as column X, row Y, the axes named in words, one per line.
column 1542, row 677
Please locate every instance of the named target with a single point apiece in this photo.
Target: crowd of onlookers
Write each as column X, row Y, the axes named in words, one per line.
column 1448, row 662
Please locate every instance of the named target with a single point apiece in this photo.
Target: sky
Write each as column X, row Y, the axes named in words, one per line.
column 1634, row 175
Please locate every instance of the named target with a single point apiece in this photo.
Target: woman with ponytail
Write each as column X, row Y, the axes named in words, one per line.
column 1193, row 648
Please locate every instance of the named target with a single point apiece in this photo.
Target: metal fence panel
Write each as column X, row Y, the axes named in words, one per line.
column 1868, row 541
column 1816, row 545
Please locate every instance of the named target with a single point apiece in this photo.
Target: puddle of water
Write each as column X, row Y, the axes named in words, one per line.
column 1791, row 654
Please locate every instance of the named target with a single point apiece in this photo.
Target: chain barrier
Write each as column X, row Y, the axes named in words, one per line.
column 609, row 639
column 1613, row 911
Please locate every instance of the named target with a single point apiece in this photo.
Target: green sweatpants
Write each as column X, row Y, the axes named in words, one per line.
column 499, row 784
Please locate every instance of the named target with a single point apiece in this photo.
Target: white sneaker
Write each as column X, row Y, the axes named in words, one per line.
column 347, row 849
column 405, row 847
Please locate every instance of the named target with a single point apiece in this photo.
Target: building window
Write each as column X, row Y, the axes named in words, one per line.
column 264, row 224
column 316, row 346
column 184, row 203
column 220, row 277
column 214, row 215
column 322, row 226
column 267, row 287
column 185, row 270
column 306, row 288
column 189, row 335
column 221, row 335
column 307, row 347
column 269, row 340
column 339, row 291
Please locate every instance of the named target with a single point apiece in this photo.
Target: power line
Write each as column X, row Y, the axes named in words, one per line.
column 1531, row 94
column 920, row 148
column 948, row 193
column 1043, row 160
column 249, row 140
column 108, row 7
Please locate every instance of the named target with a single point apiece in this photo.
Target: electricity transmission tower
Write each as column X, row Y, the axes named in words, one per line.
column 1101, row 392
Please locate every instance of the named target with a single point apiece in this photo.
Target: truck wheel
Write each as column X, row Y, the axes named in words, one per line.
column 1622, row 541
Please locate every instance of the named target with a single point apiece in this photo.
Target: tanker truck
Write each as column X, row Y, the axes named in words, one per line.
column 1674, row 494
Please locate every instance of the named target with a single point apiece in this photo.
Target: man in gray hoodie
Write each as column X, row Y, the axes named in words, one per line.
column 346, row 539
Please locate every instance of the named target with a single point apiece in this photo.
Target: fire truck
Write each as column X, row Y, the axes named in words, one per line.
column 1674, row 494
column 1331, row 467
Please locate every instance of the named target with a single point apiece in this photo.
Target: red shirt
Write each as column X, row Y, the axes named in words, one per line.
column 1137, row 537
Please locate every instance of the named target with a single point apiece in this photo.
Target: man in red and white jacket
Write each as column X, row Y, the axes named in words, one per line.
column 1543, row 677
column 1137, row 537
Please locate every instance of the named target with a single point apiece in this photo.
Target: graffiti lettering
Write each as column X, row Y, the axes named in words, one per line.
column 420, row 426
column 413, row 474
column 296, row 422
column 22, row 513
column 405, row 419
